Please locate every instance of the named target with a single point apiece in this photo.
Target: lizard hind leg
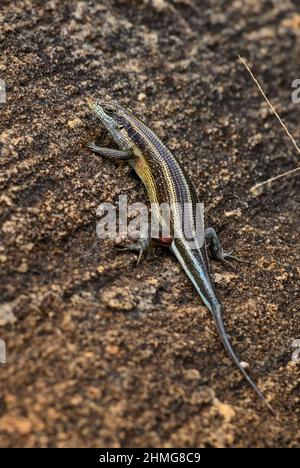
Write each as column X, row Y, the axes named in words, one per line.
column 216, row 249
column 143, row 244
column 140, row 246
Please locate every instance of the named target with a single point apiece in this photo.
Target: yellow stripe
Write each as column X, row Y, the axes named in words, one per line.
column 144, row 172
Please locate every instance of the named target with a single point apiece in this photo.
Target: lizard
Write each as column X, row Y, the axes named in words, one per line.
column 167, row 181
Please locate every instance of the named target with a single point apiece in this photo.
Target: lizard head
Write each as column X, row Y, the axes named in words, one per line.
column 113, row 117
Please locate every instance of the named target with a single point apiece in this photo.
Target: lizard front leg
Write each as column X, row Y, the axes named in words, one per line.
column 109, row 153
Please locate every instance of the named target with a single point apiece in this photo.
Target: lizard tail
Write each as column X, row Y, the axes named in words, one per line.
column 217, row 315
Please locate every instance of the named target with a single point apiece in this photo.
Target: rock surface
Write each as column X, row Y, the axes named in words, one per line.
column 101, row 352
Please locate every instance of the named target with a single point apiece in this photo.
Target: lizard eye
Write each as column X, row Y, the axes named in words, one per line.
column 108, row 107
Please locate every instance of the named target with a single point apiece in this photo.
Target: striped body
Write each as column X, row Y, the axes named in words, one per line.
column 167, row 182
